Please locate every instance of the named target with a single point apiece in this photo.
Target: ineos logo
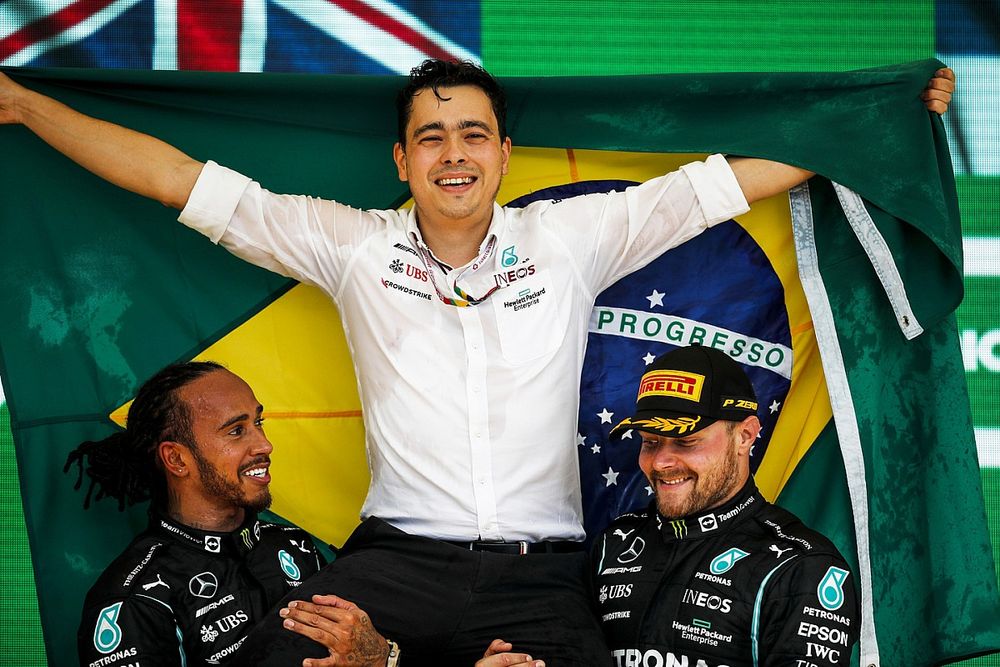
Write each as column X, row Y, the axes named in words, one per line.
column 633, row 551
column 203, row 585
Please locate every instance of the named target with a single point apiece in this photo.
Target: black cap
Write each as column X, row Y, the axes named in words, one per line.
column 687, row 389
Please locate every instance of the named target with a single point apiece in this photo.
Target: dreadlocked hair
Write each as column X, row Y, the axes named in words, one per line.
column 125, row 465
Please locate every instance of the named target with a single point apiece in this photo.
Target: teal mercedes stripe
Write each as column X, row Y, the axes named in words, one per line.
column 755, row 624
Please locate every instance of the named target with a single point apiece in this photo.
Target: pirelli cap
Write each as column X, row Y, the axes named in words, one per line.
column 687, row 389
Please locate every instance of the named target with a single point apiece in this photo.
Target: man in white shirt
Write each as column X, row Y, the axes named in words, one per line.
column 467, row 324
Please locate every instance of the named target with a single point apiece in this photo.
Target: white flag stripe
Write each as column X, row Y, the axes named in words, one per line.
column 81, row 30
column 416, row 24
column 680, row 331
column 360, row 35
column 16, row 15
column 975, row 108
column 165, row 34
column 988, row 444
column 253, row 37
column 982, row 256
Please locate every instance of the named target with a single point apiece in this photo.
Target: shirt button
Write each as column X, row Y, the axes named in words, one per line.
column 475, row 390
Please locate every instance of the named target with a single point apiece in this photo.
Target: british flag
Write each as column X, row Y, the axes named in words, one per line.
column 323, row 36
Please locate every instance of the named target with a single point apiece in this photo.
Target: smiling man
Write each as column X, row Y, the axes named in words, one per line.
column 206, row 569
column 711, row 573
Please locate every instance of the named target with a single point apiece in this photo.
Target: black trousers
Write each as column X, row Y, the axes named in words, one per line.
column 444, row 604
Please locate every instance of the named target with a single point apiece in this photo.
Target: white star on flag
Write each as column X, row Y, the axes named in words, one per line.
column 627, row 434
column 580, row 439
column 774, row 407
column 649, row 358
column 656, row 298
column 596, row 449
column 611, row 476
column 605, row 416
column 649, row 490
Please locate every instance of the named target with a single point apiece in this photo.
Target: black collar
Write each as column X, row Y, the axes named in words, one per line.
column 710, row 522
column 235, row 543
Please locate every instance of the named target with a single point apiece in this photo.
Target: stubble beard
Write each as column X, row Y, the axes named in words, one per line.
column 228, row 491
column 710, row 489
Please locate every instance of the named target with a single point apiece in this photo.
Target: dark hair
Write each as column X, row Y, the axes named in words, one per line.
column 435, row 74
column 125, row 465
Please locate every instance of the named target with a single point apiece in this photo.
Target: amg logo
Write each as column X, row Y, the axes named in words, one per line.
column 404, row 248
column 215, row 605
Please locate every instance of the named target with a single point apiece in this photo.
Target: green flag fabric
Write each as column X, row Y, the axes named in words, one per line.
column 103, row 288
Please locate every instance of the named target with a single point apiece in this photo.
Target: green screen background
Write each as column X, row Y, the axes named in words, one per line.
column 616, row 37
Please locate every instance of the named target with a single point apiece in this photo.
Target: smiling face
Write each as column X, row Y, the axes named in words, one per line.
column 700, row 471
column 454, row 158
column 231, row 452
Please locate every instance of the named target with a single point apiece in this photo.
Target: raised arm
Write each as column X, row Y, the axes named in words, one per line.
column 131, row 160
column 760, row 179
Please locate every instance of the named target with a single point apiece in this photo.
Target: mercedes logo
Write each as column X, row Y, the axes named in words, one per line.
column 633, row 551
column 203, row 585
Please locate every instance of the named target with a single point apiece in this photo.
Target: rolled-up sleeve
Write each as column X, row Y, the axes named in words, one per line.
column 213, row 201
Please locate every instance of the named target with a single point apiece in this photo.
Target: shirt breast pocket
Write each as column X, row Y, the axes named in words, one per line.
column 531, row 317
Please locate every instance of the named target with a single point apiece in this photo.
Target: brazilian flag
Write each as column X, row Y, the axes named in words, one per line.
column 838, row 298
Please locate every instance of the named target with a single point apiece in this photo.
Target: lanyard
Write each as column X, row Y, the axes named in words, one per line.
column 464, row 299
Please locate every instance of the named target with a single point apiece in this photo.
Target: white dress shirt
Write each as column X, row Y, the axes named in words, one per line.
column 470, row 413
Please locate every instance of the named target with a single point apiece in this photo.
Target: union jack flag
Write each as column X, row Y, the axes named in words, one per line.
column 322, row 36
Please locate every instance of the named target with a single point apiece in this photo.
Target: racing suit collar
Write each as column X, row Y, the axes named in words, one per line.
column 744, row 504
column 235, row 543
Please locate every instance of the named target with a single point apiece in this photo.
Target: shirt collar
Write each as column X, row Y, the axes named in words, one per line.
column 706, row 523
column 495, row 229
column 237, row 542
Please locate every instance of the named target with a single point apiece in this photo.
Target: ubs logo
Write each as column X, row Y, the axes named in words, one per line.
column 633, row 551
column 414, row 272
column 397, row 266
column 614, row 591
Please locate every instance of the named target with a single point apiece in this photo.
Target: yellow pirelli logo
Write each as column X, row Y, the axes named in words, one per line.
column 672, row 383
